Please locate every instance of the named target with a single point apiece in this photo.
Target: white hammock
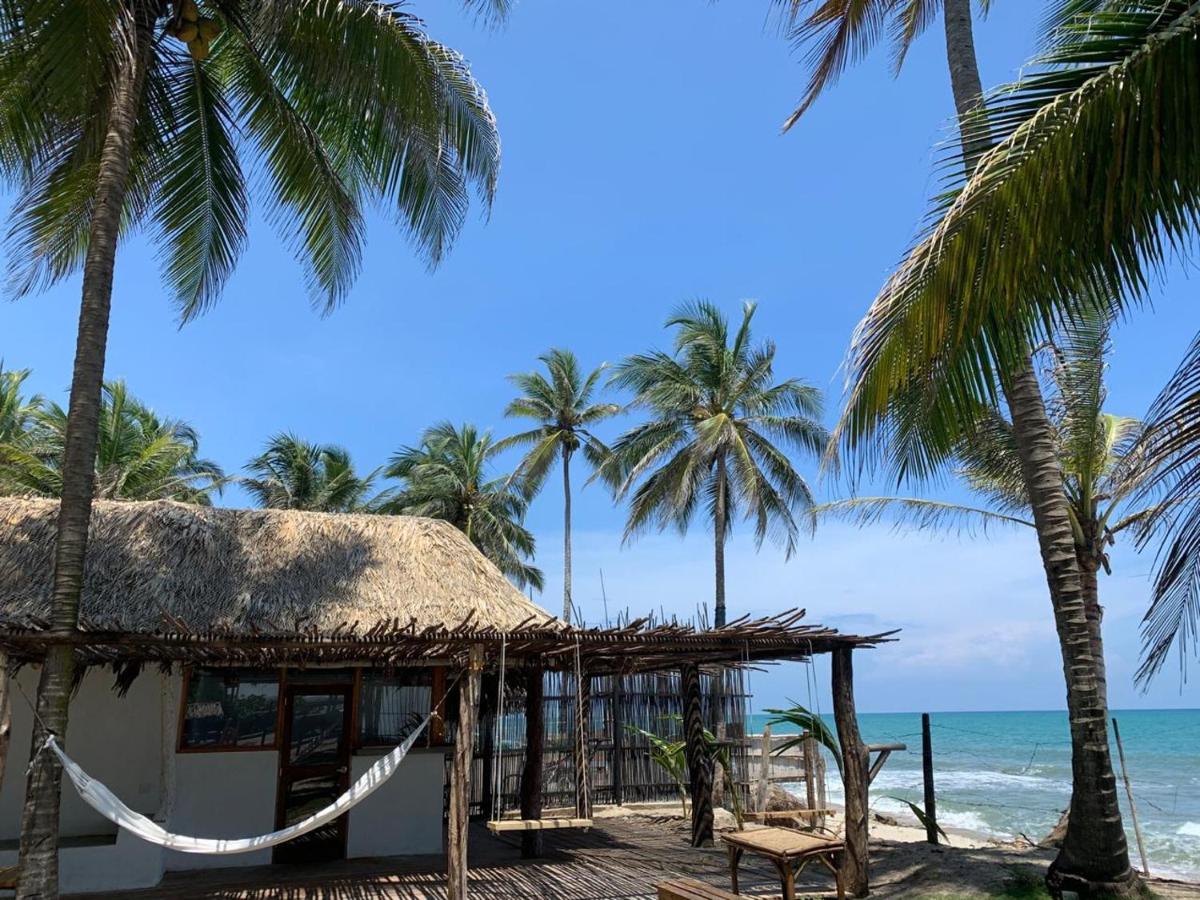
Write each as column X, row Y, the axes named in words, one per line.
column 105, row 802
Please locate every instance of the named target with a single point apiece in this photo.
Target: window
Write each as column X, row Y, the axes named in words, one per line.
column 391, row 706
column 230, row 709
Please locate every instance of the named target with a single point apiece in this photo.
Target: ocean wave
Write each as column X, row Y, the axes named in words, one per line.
column 970, row 780
column 1189, row 829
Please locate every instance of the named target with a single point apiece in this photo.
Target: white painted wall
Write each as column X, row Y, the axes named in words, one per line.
column 223, row 795
column 405, row 815
column 116, row 739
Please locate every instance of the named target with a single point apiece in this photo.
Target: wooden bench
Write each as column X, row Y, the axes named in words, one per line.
column 691, row 889
column 8, row 877
column 790, row 850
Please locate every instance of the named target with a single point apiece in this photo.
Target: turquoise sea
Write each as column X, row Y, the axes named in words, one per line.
column 1009, row 773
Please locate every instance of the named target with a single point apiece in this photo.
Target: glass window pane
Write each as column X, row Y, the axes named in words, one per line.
column 391, row 706
column 230, row 708
column 317, row 726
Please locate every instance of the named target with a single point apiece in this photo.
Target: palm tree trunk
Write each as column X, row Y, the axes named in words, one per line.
column 566, row 467
column 39, row 822
column 719, row 515
column 1089, row 571
column 1094, row 857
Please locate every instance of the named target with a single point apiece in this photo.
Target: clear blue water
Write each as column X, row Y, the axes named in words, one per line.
column 1009, row 773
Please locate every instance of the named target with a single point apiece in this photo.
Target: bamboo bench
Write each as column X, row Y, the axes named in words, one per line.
column 691, row 889
column 789, row 850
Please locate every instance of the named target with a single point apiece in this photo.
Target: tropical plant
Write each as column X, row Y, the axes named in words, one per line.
column 562, row 406
column 927, row 357
column 671, row 757
column 108, row 121
column 17, row 411
column 718, row 432
column 807, row 724
column 294, row 474
column 448, row 476
column 139, row 456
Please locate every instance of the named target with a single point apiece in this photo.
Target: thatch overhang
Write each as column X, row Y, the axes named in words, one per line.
column 169, row 582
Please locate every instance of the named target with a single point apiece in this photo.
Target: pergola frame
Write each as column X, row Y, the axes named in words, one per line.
column 532, row 648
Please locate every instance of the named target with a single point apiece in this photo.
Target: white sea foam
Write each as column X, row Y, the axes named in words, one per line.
column 1189, row 829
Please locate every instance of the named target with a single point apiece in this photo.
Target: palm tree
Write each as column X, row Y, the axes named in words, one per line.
column 1090, row 184
column 139, row 456
column 562, row 406
column 1103, row 457
column 913, row 399
column 447, row 476
column 110, row 122
column 17, row 411
column 718, row 433
column 294, row 474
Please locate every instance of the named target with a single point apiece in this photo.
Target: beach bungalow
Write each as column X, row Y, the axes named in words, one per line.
column 244, row 667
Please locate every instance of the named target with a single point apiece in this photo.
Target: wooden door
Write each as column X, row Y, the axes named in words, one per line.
column 314, row 768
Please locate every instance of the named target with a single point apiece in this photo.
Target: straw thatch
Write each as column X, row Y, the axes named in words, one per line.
column 151, row 566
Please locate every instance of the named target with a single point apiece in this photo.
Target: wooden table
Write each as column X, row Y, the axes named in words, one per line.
column 789, row 850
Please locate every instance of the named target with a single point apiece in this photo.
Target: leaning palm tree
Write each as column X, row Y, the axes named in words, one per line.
column 448, row 476
column 1090, row 184
column 718, row 434
column 914, row 396
column 562, row 406
column 1104, row 460
column 139, row 456
column 294, row 474
column 130, row 113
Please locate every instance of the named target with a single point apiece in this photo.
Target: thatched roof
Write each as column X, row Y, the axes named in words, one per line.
column 160, row 566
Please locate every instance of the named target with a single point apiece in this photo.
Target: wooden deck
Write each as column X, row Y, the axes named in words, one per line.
column 616, row 859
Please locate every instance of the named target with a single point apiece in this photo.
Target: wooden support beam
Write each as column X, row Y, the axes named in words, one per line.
column 884, row 751
column 531, row 774
column 931, row 827
column 617, row 705
column 460, row 777
column 764, row 771
column 699, row 765
column 854, row 861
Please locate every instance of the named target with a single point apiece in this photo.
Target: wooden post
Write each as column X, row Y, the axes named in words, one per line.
column 699, row 765
column 811, row 755
column 764, row 771
column 854, row 775
column 460, row 778
column 1137, row 827
column 531, row 774
column 617, row 701
column 583, row 746
column 822, row 802
column 931, row 834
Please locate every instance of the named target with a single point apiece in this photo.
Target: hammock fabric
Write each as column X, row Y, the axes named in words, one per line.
column 105, row 802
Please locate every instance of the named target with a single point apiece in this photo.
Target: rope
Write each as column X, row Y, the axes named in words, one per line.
column 498, row 732
column 582, row 759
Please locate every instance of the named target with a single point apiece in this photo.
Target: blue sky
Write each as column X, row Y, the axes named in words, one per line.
column 643, row 166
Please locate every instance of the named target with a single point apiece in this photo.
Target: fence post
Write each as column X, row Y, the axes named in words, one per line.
column 764, row 771
column 617, row 702
column 1137, row 827
column 931, row 833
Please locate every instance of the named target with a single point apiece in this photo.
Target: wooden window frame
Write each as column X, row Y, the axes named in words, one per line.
column 274, row 747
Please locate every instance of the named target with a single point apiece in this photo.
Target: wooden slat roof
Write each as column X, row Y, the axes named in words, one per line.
column 640, row 645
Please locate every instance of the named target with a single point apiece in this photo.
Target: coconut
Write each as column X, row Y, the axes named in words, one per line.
column 187, row 32
column 199, row 49
column 209, row 28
